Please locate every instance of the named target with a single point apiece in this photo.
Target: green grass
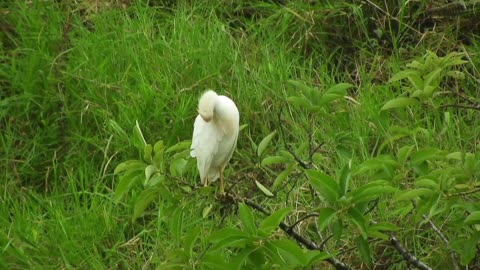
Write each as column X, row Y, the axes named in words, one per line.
column 75, row 79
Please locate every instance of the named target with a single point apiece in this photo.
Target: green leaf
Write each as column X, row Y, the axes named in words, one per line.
column 400, row 75
column 190, row 239
column 335, row 92
column 426, row 154
column 371, row 192
column 270, row 160
column 282, row 176
column 473, row 218
column 324, row 184
column 299, row 102
column 324, row 217
column 271, row 223
column 139, row 140
column 404, row 153
column 262, row 146
column 213, row 261
column 410, row 194
column 456, row 74
column 263, row 189
column 427, row 183
column 356, row 217
column 400, row 102
column 291, row 252
column 303, row 87
column 130, row 165
column 345, row 178
column 337, row 229
column 149, row 171
column 183, row 145
column 314, row 257
column 143, row 201
column 384, row 226
column 126, row 182
column 229, row 237
column 416, row 80
column 206, row 210
column 364, row 249
column 238, row 262
column 177, row 166
column 148, row 153
column 155, row 180
column 466, row 248
column 247, row 218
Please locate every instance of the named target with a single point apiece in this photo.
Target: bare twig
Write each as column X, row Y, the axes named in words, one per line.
column 291, row 232
column 462, row 106
column 464, row 193
column 407, row 256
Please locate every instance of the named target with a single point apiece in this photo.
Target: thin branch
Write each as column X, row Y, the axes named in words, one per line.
column 407, row 256
column 462, row 106
column 464, row 193
column 291, row 232
column 302, row 219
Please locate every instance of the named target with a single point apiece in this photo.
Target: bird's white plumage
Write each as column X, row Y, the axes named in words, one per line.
column 215, row 134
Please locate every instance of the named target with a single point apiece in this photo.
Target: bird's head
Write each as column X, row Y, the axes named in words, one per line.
column 206, row 105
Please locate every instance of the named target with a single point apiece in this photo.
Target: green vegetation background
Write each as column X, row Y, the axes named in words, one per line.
column 76, row 75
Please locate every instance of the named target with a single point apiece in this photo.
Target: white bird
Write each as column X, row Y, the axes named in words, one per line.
column 215, row 134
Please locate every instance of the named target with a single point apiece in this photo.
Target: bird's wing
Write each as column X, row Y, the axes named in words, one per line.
column 205, row 143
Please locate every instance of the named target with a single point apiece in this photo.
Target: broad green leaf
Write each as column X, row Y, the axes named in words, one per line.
column 324, row 184
column 262, row 146
column 371, row 193
column 400, row 102
column 190, row 238
column 404, row 153
column 282, row 176
column 224, row 233
column 149, row 171
column 143, row 201
column 335, row 92
column 314, row 257
column 426, row 154
column 183, row 145
column 337, row 229
column 270, row 160
column 159, row 147
column 410, row 194
column 324, row 217
column 432, row 78
column 291, row 252
column 456, row 74
column 264, row 189
column 473, row 218
column 176, row 222
column 238, row 262
column 147, row 154
column 466, row 248
column 303, row 87
column 130, row 165
column 416, row 80
column 400, row 75
column 376, row 164
column 206, row 210
column 427, row 183
column 177, row 166
column 155, row 180
column 300, row 102
column 364, row 249
column 271, row 223
column 345, row 178
column 247, row 218
column 213, row 261
column 126, row 182
column 384, row 226
column 356, row 217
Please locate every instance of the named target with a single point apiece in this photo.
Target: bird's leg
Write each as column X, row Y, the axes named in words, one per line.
column 205, row 184
column 221, row 183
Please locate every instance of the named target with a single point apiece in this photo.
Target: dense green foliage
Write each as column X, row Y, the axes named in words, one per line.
column 360, row 124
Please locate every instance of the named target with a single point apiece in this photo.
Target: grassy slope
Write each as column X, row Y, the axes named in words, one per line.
column 69, row 102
